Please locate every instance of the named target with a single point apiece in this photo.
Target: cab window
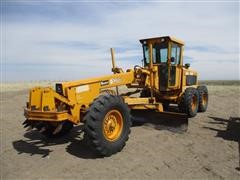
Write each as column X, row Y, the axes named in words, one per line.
column 154, row 55
column 163, row 54
column 146, row 54
column 175, row 54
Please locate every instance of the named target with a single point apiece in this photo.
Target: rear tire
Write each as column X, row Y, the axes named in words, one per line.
column 107, row 124
column 189, row 102
column 203, row 98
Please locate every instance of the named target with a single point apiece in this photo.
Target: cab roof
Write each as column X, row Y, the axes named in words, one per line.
column 168, row 38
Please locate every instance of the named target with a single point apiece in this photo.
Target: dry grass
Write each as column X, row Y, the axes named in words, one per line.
column 220, row 82
column 16, row 86
column 25, row 85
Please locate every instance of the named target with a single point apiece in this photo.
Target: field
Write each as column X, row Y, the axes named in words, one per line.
column 208, row 150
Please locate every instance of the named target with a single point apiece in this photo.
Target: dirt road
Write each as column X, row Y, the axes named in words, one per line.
column 209, row 149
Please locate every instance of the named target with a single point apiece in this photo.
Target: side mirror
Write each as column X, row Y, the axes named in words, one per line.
column 172, row 59
column 187, row 65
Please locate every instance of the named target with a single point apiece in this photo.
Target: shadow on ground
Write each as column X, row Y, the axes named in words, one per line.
column 170, row 121
column 231, row 131
column 36, row 144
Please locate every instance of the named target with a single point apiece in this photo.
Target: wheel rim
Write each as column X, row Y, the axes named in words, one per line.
column 204, row 99
column 112, row 125
column 194, row 103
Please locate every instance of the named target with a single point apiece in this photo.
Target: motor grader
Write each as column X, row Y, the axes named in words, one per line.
column 163, row 80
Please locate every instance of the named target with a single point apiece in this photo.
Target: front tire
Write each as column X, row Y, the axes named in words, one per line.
column 189, row 102
column 107, row 124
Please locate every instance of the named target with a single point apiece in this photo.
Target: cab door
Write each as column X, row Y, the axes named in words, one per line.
column 174, row 66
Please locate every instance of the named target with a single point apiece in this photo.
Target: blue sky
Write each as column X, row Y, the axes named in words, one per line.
column 64, row 40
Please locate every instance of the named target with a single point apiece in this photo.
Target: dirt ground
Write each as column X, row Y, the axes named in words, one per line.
column 208, row 150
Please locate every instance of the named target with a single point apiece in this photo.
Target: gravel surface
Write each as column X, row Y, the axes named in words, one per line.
column 208, row 150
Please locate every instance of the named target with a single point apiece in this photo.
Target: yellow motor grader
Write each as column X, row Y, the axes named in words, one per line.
column 105, row 113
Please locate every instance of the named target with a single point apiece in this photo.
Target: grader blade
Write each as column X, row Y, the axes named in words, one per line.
column 171, row 121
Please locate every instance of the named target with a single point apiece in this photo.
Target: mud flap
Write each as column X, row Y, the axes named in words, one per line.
column 175, row 122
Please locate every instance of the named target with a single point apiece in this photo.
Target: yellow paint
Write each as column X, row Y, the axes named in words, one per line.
column 77, row 95
column 158, row 107
column 112, row 125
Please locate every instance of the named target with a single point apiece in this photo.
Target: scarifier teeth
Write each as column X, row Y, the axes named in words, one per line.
column 29, row 128
column 26, row 125
column 25, row 122
column 42, row 129
column 33, row 125
column 39, row 126
column 58, row 129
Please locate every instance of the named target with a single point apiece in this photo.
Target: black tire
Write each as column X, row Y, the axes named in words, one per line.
column 94, row 124
column 203, row 98
column 66, row 127
column 189, row 102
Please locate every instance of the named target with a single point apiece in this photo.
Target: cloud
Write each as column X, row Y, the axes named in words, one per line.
column 214, row 49
column 82, row 33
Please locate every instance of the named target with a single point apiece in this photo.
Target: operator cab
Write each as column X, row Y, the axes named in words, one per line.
column 167, row 56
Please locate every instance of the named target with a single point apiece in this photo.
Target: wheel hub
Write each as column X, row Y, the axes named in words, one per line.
column 194, row 103
column 204, row 99
column 112, row 125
